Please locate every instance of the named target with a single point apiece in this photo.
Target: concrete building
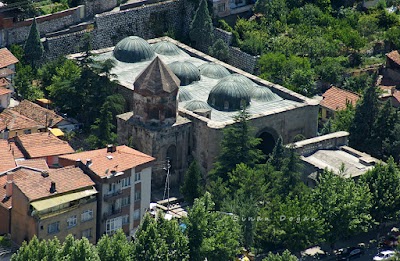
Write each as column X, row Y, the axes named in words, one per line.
column 123, row 179
column 47, row 203
column 184, row 119
column 43, row 145
column 331, row 152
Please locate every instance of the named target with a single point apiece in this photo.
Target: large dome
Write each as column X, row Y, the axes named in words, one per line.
column 246, row 82
column 262, row 93
column 196, row 105
column 166, row 48
column 184, row 95
column 186, row 72
column 228, row 95
column 133, row 49
column 213, row 70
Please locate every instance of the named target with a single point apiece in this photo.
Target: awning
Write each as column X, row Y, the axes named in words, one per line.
column 44, row 101
column 56, row 132
column 55, row 201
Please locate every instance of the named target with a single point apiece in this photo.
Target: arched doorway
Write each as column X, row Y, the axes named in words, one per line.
column 171, row 155
column 267, row 143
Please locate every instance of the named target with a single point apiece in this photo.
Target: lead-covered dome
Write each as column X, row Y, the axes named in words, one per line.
column 166, row 48
column 197, row 105
column 213, row 70
column 246, row 82
column 133, row 49
column 184, row 95
column 228, row 95
column 263, row 93
column 185, row 71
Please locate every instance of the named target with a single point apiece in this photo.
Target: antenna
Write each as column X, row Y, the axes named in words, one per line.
column 166, row 189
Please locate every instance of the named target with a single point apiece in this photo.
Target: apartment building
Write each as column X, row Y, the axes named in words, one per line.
column 49, row 203
column 123, row 180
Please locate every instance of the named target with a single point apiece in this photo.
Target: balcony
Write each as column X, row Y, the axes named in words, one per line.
column 112, row 195
column 112, row 213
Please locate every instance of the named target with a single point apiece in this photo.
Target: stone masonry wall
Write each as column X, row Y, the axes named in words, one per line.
column 98, row 6
column 18, row 32
column 224, row 35
column 242, row 60
column 147, row 21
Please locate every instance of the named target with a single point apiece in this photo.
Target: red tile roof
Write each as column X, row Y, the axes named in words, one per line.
column 5, row 72
column 6, row 58
column 16, row 151
column 15, row 121
column 104, row 162
column 38, row 113
column 4, row 82
column 394, row 56
column 42, row 144
column 33, row 163
column 6, row 157
column 35, row 186
column 336, row 99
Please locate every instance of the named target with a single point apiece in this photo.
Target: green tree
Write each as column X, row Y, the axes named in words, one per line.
column 201, row 28
column 219, row 50
column 78, row 250
column 37, row 250
column 343, row 118
column 159, row 239
column 278, row 154
column 23, row 83
column 286, row 256
column 192, row 187
column 384, row 183
column 102, row 129
column 115, row 247
column 237, row 146
column 330, row 70
column 33, row 48
column 211, row 234
column 273, row 10
column 343, row 204
column 362, row 127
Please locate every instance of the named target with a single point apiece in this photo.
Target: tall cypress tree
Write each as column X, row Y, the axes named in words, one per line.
column 33, row 46
column 361, row 130
column 237, row 146
column 201, row 28
column 192, row 185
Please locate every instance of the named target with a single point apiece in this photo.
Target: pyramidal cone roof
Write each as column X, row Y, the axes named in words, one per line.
column 156, row 78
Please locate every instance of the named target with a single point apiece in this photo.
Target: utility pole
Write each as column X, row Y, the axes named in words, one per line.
column 166, row 189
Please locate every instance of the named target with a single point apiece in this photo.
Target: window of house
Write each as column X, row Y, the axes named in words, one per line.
column 125, row 219
column 111, row 187
column 126, row 182
column 221, row 7
column 71, row 221
column 137, row 195
column 87, row 233
column 136, row 214
column 137, row 176
column 113, row 225
column 87, row 215
column 53, row 228
column 125, row 201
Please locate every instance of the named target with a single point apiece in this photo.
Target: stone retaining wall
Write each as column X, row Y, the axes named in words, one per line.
column 242, row 60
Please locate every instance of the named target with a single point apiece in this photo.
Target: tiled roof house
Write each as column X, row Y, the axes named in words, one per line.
column 336, row 99
column 123, row 179
column 13, row 124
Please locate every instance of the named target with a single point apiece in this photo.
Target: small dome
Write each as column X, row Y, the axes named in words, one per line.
column 263, row 93
column 185, row 71
column 246, row 82
column 184, row 95
column 133, row 49
column 228, row 95
column 166, row 48
column 213, row 70
column 196, row 105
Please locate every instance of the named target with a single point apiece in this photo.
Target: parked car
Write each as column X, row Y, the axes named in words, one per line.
column 349, row 253
column 384, row 255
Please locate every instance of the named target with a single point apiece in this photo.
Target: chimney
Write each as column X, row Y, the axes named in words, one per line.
column 77, row 162
column 53, row 187
column 111, row 148
column 44, row 174
column 9, row 184
column 88, row 163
